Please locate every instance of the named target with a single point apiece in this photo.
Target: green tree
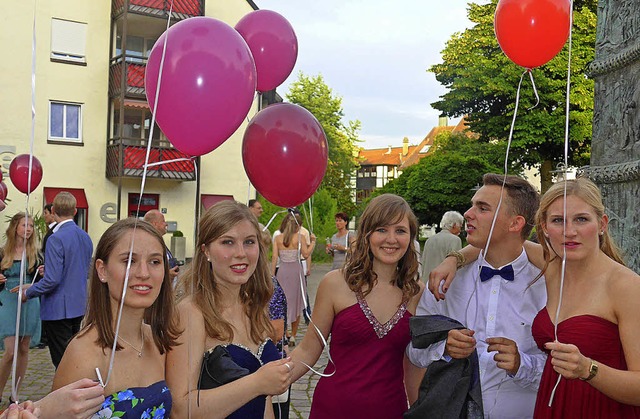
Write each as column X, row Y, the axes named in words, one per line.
column 445, row 179
column 313, row 94
column 482, row 84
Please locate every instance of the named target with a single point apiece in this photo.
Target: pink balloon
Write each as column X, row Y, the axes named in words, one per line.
column 274, row 46
column 284, row 152
column 19, row 173
column 207, row 87
column 3, row 191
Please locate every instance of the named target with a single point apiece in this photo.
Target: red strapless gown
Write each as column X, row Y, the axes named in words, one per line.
column 368, row 380
column 596, row 338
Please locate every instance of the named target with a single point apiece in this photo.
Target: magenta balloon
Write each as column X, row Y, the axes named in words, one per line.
column 19, row 173
column 284, row 152
column 274, row 46
column 3, row 191
column 207, row 87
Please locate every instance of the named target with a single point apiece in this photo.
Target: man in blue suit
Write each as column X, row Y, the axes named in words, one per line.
column 63, row 290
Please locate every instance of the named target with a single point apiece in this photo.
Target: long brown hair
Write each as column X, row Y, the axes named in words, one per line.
column 586, row 190
column 10, row 246
column 199, row 282
column 160, row 316
column 383, row 210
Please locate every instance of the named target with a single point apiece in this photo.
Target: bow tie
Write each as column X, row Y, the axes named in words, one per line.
column 486, row 273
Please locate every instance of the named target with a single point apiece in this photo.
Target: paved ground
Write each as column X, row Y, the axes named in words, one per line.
column 40, row 371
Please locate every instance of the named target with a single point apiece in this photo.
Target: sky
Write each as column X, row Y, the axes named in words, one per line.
column 374, row 54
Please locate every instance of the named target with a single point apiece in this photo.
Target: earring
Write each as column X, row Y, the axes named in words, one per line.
column 103, row 280
column 602, row 233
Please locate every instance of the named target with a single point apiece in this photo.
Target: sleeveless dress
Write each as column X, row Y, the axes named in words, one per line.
column 137, row 402
column 368, row 356
column 596, row 338
column 289, row 278
column 30, row 317
column 243, row 356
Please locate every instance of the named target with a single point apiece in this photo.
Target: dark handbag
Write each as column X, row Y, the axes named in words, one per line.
column 218, row 368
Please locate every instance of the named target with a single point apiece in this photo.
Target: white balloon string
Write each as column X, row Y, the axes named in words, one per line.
column 564, row 193
column 506, row 163
column 303, row 288
column 142, row 185
column 14, row 365
column 272, row 218
column 535, row 91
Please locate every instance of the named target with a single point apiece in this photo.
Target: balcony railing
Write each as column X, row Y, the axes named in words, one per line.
column 182, row 9
column 133, row 157
column 134, row 73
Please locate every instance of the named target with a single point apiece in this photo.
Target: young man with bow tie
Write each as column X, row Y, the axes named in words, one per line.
column 494, row 298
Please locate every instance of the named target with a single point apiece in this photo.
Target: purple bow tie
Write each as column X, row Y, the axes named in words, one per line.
column 486, row 273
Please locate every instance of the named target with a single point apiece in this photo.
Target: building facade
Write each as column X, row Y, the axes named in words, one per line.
column 92, row 120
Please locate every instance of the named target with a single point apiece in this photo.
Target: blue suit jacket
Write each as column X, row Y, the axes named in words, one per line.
column 63, row 290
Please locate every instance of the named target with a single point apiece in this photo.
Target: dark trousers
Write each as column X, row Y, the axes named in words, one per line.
column 59, row 333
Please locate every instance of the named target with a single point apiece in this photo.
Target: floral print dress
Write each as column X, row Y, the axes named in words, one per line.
column 138, row 402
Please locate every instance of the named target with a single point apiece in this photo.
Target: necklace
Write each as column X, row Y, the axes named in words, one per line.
column 139, row 351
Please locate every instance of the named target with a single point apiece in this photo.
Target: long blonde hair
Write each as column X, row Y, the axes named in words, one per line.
column 383, row 210
column 586, row 190
column 33, row 256
column 199, row 282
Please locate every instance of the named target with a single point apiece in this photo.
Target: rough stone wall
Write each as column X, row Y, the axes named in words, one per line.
column 615, row 152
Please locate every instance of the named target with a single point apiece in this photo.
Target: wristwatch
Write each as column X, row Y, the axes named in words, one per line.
column 593, row 370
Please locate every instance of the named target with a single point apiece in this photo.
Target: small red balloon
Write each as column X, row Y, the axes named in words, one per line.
column 284, row 152
column 19, row 173
column 3, row 191
column 532, row 32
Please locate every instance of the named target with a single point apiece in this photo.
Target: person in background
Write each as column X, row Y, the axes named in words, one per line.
column 446, row 241
column 291, row 271
column 50, row 220
column 224, row 310
column 496, row 300
column 63, row 290
column 156, row 219
column 256, row 209
column 365, row 309
column 20, row 237
column 340, row 241
column 596, row 348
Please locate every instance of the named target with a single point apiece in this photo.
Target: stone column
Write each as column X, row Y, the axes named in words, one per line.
column 615, row 151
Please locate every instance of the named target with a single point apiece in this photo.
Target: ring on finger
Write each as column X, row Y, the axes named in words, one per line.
column 288, row 366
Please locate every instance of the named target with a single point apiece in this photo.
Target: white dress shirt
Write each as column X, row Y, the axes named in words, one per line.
column 494, row 308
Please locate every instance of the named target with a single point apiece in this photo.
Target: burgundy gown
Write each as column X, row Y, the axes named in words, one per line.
column 597, row 338
column 368, row 380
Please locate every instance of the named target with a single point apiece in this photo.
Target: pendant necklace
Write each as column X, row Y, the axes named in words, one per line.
column 139, row 351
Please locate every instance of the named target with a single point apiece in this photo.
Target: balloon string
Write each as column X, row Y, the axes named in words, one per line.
column 564, row 192
column 135, row 225
column 15, row 382
column 306, row 305
column 506, row 162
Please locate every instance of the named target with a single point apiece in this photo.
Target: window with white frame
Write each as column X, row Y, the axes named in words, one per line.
column 65, row 122
column 68, row 41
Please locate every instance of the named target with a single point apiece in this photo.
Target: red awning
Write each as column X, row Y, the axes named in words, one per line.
column 210, row 200
column 81, row 198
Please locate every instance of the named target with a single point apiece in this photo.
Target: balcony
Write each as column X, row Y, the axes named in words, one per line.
column 134, row 73
column 182, row 9
column 133, row 157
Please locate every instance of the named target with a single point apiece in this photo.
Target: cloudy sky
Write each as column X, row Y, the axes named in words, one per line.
column 374, row 54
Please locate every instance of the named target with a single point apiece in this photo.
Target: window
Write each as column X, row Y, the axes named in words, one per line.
column 137, row 124
column 68, row 41
column 65, row 122
column 138, row 48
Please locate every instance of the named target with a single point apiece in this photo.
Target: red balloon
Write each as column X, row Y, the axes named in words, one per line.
column 3, row 191
column 284, row 152
column 274, row 46
column 19, row 173
column 532, row 32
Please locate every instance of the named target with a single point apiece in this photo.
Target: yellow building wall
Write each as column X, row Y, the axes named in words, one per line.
column 83, row 167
